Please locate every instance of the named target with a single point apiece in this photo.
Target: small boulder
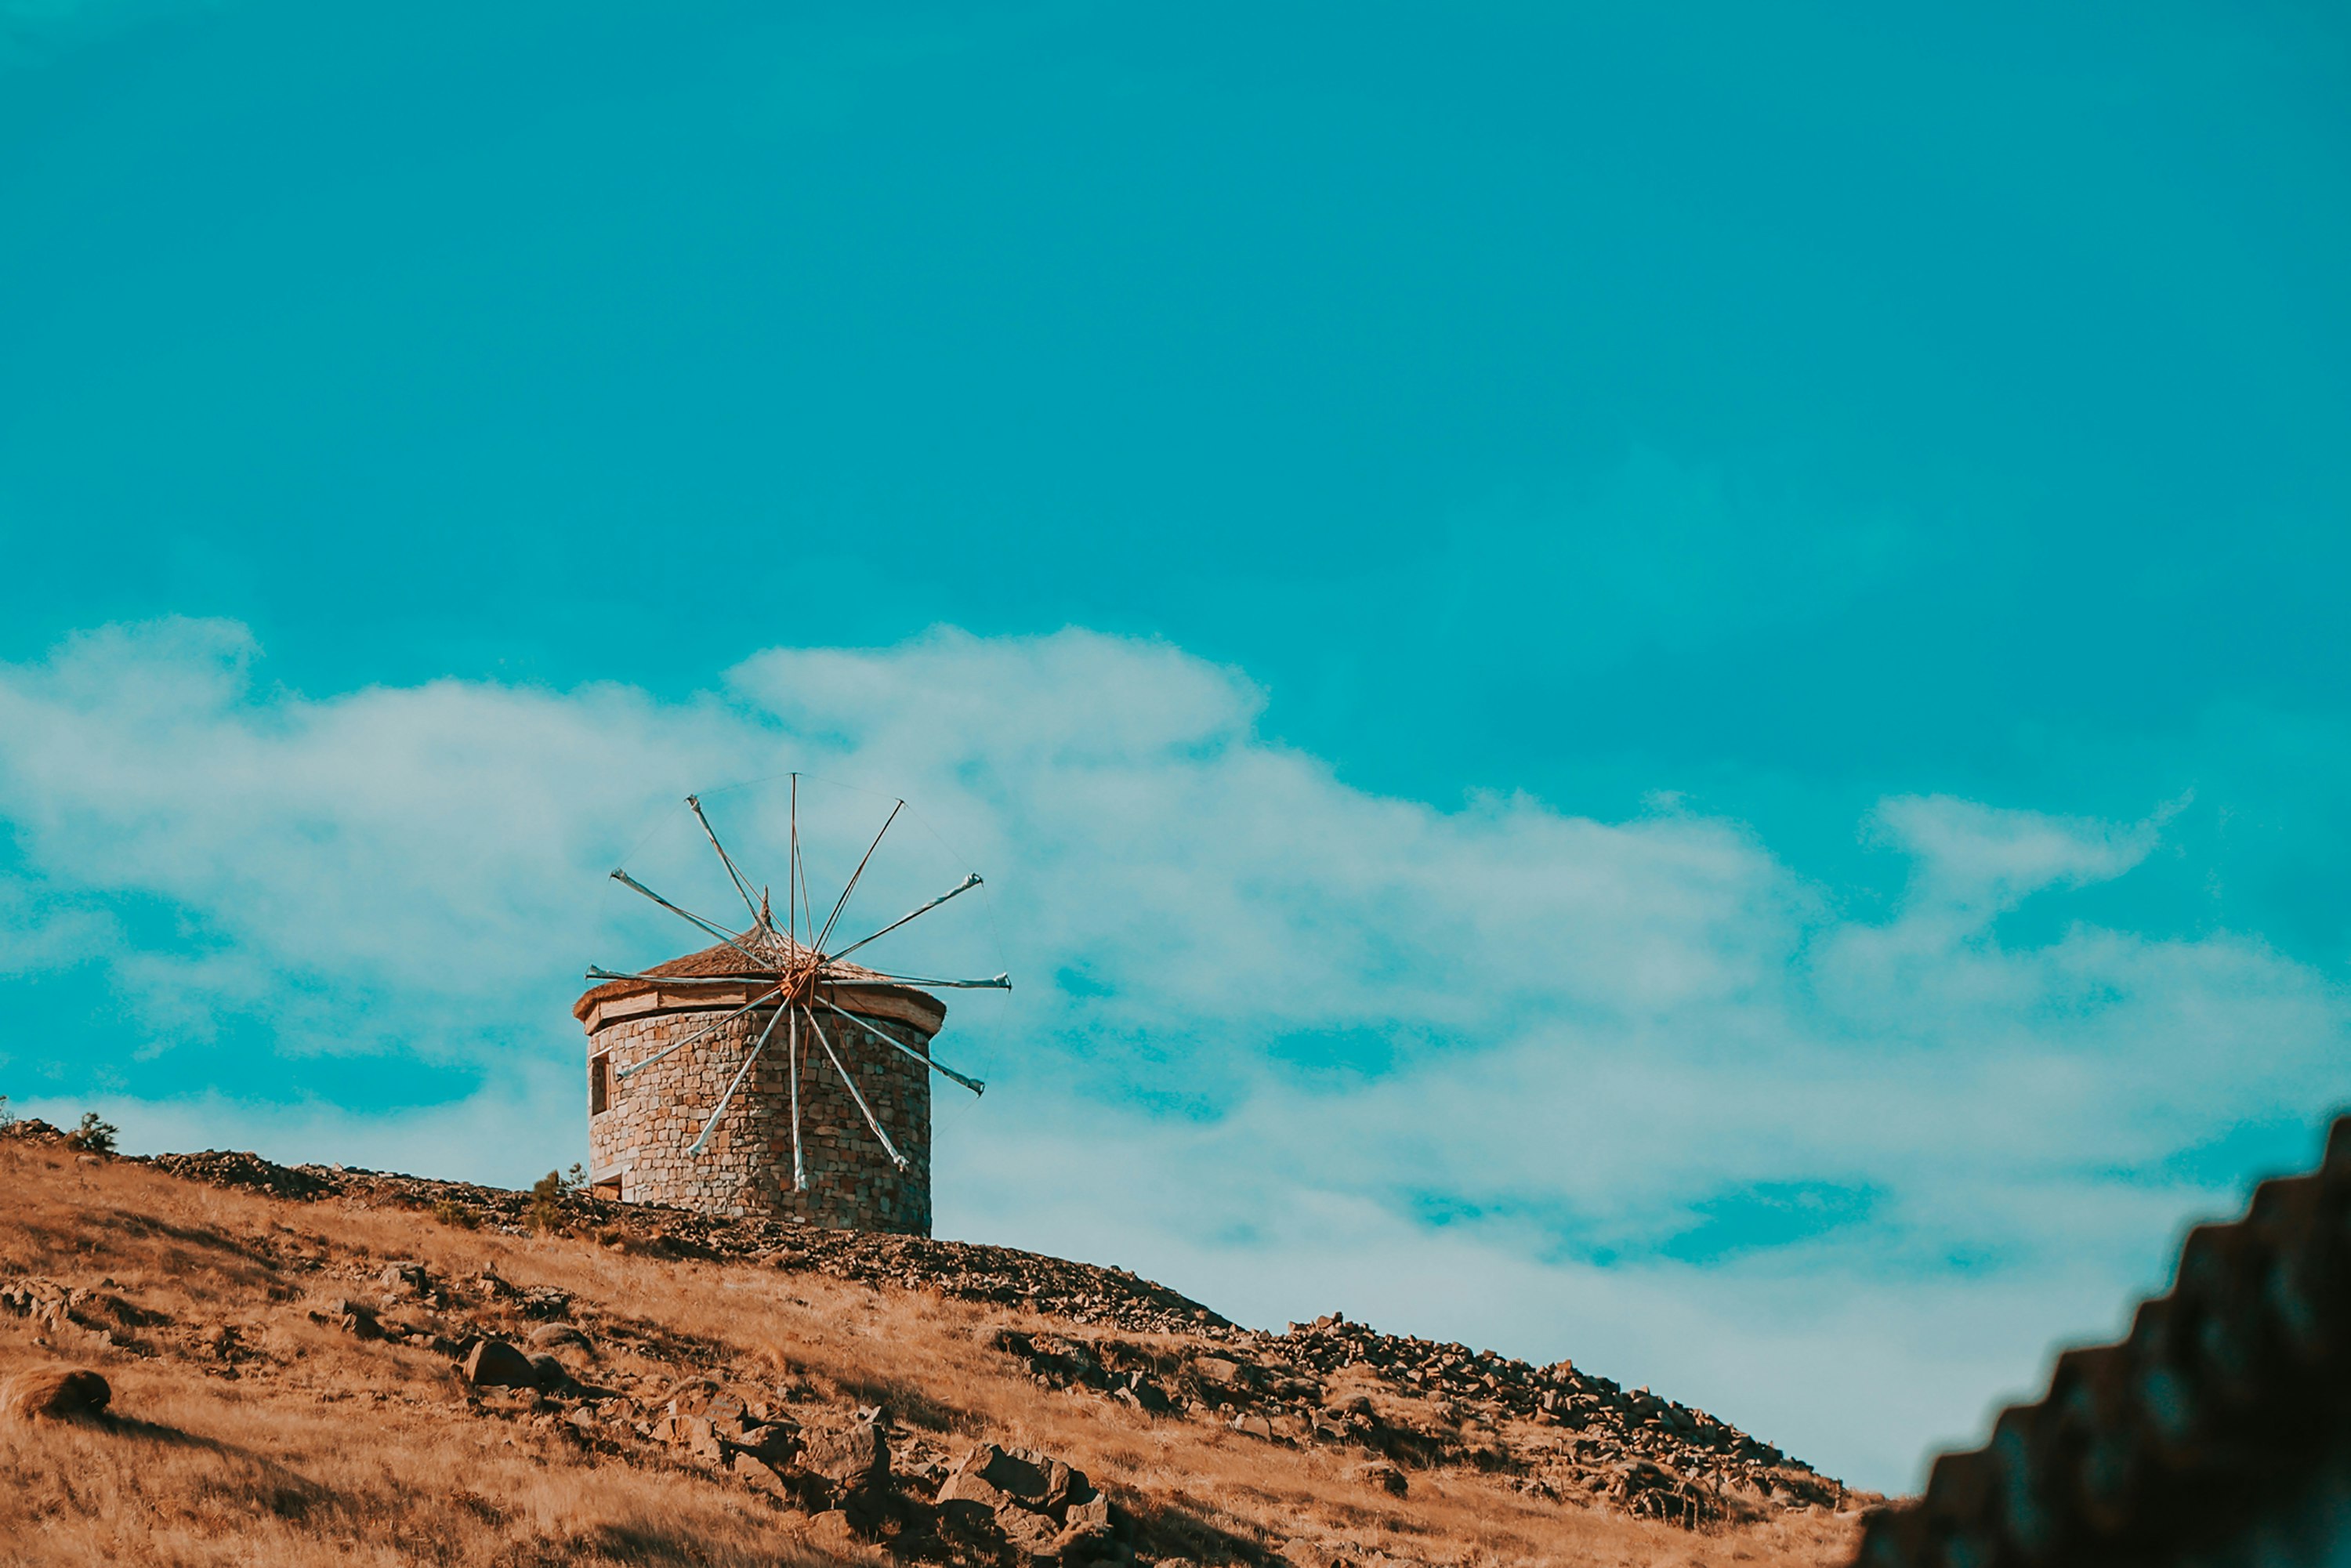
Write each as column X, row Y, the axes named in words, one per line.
column 1381, row 1474
column 774, row 1444
column 1035, row 1536
column 695, row 1433
column 548, row 1373
column 992, row 1477
column 1013, row 1472
column 55, row 1393
column 698, row 1397
column 856, row 1458
column 405, row 1278
column 1218, row 1371
column 1145, row 1395
column 967, row 1494
column 545, row 1302
column 1086, row 1533
column 494, row 1363
column 558, row 1336
column 353, row 1317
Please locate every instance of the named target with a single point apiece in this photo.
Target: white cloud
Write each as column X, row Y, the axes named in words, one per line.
column 1977, row 860
column 1500, row 1071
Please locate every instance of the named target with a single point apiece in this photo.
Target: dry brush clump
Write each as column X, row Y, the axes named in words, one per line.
column 309, row 1366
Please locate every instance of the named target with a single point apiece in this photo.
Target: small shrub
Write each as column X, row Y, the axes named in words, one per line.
column 574, row 1180
column 547, row 1195
column 8, row 1117
column 93, row 1136
column 452, row 1213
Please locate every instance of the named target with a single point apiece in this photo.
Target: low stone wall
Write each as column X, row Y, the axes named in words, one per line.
column 650, row 1120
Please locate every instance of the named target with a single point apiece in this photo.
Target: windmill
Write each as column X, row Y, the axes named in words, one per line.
column 775, row 986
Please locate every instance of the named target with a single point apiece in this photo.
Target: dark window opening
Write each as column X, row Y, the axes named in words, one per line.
column 600, row 1085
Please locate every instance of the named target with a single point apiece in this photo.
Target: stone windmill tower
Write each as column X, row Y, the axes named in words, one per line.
column 765, row 1075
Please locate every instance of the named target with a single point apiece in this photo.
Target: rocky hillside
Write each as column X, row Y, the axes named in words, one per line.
column 307, row 1364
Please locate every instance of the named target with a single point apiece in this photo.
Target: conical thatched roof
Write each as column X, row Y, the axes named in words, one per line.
column 720, row 962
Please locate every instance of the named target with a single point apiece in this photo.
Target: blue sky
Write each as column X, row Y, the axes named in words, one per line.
column 1655, row 686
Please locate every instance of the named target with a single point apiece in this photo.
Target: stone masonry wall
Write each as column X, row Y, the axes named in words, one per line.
column 652, row 1120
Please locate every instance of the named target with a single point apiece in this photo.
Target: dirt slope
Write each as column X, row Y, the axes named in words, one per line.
column 313, row 1366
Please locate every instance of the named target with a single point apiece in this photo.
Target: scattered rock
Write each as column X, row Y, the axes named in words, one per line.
column 1042, row 1507
column 223, row 1167
column 558, row 1336
column 494, row 1363
column 1392, row 1404
column 967, row 1495
column 1080, row 1292
column 31, row 1296
column 712, row 1422
column 774, row 1444
column 545, row 1302
column 1086, row 1533
column 405, row 1279
column 856, row 1458
column 55, row 1393
column 1029, row 1533
column 1649, row 1491
column 355, row 1318
column 696, row 1434
column 1000, row 1475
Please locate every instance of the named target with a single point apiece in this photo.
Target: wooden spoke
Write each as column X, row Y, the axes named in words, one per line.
column 794, row 879
column 625, row 880
column 759, row 921
column 842, row 902
column 850, row 1084
column 741, row 1072
column 993, row 983
column 636, row 1067
column 792, row 1067
column 974, row 1084
column 968, row 883
column 597, row 972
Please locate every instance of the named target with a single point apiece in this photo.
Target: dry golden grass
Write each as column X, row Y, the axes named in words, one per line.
column 312, row 1445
